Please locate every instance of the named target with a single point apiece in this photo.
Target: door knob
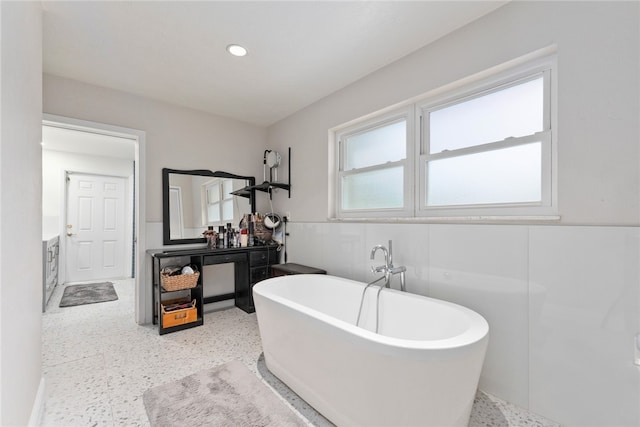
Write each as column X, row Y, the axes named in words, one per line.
column 69, row 233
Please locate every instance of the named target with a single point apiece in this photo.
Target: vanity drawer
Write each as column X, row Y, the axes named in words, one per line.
column 223, row 258
column 257, row 274
column 258, row 258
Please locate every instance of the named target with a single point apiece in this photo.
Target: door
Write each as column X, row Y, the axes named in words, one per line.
column 95, row 227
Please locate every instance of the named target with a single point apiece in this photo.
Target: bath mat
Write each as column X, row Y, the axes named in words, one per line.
column 89, row 293
column 228, row 395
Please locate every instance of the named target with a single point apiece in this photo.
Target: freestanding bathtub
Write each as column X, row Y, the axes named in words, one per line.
column 421, row 369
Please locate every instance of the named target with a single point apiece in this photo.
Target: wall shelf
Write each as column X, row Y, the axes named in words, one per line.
column 243, row 192
column 268, row 187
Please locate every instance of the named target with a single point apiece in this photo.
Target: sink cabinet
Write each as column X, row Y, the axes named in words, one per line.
column 50, row 253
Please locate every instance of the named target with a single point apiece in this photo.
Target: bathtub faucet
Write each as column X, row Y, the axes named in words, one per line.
column 382, row 268
column 388, row 269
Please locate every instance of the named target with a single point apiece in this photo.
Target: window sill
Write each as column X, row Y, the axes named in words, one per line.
column 515, row 219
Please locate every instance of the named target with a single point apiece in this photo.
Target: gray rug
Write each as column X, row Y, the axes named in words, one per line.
column 89, row 293
column 228, row 395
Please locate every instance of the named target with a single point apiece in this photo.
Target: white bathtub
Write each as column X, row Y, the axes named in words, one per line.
column 422, row 369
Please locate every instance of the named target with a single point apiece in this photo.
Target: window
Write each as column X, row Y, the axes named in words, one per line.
column 481, row 150
column 374, row 167
column 488, row 149
column 219, row 206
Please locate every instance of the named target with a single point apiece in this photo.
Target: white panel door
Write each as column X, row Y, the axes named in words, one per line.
column 95, row 227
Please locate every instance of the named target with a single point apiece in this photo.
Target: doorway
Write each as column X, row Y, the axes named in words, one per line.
column 85, row 153
column 96, row 238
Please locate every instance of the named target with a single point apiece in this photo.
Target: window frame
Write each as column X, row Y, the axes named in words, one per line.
column 407, row 114
column 542, row 62
column 222, row 198
column 546, row 205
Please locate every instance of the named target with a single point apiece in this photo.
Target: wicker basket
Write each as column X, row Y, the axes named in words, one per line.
column 179, row 282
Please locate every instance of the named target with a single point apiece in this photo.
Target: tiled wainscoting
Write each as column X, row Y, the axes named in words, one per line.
column 562, row 302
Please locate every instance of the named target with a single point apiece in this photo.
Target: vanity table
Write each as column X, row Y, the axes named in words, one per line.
column 252, row 264
column 192, row 200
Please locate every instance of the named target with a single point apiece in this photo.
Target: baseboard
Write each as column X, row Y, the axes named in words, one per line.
column 38, row 406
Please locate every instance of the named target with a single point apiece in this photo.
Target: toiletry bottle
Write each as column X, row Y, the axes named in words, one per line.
column 210, row 235
column 250, row 225
column 229, row 236
column 244, row 238
column 221, row 234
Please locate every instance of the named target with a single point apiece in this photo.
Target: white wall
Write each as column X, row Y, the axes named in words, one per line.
column 20, row 203
column 176, row 137
column 597, row 103
column 562, row 300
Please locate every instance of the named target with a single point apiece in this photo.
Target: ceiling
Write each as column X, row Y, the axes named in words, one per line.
column 299, row 51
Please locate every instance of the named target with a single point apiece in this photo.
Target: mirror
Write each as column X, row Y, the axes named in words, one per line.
column 192, row 200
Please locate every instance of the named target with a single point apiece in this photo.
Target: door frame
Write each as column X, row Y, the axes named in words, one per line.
column 128, row 219
column 142, row 303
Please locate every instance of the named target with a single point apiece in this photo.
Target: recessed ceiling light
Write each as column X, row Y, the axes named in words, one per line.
column 236, row 50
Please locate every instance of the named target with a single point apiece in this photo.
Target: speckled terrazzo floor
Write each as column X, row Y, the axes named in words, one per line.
column 98, row 362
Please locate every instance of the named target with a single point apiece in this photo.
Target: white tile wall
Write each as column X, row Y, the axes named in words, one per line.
column 305, row 244
column 345, row 242
column 583, row 324
column 409, row 249
column 562, row 302
column 485, row 268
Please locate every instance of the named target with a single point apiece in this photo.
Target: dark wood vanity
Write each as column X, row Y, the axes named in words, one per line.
column 192, row 200
column 252, row 264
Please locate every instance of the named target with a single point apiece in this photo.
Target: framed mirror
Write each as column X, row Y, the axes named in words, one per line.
column 192, row 200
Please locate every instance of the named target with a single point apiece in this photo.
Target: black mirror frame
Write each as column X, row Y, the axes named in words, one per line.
column 166, row 233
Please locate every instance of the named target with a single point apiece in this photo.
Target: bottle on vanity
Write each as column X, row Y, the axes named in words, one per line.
column 244, row 238
column 211, row 237
column 221, row 233
column 229, row 234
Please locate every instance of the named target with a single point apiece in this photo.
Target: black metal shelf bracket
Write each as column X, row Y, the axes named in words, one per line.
column 268, row 186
